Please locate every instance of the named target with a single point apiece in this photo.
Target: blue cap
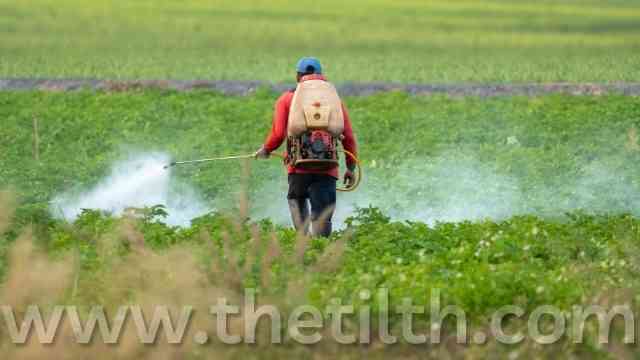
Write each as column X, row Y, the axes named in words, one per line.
column 309, row 64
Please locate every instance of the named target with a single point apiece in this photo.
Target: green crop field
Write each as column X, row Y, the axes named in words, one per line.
column 535, row 149
column 528, row 201
column 402, row 41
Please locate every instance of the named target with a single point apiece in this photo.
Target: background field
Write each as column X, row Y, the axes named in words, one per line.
column 402, row 41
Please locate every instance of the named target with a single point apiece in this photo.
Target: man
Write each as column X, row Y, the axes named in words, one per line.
column 311, row 155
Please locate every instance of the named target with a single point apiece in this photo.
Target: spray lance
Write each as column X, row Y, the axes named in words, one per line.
column 209, row 159
column 281, row 156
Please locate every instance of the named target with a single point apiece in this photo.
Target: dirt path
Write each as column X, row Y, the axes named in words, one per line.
column 353, row 89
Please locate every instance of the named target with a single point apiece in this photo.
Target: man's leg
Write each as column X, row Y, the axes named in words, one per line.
column 299, row 209
column 298, row 204
column 322, row 193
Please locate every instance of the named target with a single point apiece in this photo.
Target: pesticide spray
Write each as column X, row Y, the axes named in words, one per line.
column 145, row 180
column 454, row 186
column 139, row 181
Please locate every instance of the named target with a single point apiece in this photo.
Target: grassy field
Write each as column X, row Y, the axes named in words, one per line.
column 522, row 162
column 520, row 152
column 402, row 41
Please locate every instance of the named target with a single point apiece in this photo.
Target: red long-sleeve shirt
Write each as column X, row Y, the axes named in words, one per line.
column 279, row 132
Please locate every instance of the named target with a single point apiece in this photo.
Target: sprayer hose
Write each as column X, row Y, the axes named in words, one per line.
column 358, row 177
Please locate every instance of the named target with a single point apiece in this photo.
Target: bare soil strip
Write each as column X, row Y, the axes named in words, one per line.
column 349, row 89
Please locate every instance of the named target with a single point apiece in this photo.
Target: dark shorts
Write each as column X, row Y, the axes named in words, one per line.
column 319, row 189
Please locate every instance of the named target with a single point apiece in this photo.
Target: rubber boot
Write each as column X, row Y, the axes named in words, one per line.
column 322, row 228
column 300, row 214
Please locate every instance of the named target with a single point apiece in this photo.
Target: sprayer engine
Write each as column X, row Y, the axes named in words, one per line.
column 313, row 150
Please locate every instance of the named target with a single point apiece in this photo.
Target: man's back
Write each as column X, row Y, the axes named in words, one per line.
column 280, row 124
column 312, row 162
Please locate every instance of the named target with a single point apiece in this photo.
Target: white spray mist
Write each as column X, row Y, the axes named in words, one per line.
column 138, row 181
column 451, row 187
column 445, row 188
column 456, row 186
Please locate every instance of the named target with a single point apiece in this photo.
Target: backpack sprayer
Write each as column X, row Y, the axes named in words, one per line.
column 315, row 125
column 276, row 155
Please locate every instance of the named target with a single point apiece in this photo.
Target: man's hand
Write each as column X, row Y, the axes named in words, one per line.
column 262, row 153
column 349, row 178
